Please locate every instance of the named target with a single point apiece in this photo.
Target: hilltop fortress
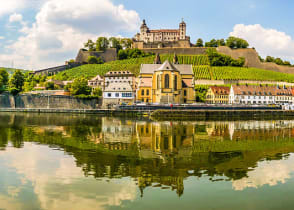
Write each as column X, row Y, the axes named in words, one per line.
column 161, row 38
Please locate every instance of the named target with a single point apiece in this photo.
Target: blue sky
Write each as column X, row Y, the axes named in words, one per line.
column 39, row 33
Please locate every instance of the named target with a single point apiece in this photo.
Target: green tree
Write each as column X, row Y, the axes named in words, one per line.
column 90, row 45
column 49, row 86
column 97, row 92
column 126, row 43
column 80, row 87
column 5, row 76
column 115, row 43
column 95, row 60
column 122, row 54
column 199, row 43
column 102, row 44
column 235, row 42
column 16, row 82
column 221, row 42
column 269, row 59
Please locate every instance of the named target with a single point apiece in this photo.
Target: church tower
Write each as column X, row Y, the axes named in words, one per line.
column 143, row 29
column 183, row 28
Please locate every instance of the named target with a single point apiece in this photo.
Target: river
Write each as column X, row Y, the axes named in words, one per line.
column 63, row 161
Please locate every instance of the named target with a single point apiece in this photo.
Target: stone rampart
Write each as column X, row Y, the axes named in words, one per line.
column 179, row 50
column 252, row 60
column 107, row 56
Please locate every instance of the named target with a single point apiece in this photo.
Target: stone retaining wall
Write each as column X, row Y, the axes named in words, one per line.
column 29, row 101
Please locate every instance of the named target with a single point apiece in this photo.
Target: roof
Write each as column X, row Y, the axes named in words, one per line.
column 145, row 82
column 164, row 31
column 187, row 82
column 261, row 90
column 119, row 87
column 98, row 77
column 151, row 68
column 220, row 90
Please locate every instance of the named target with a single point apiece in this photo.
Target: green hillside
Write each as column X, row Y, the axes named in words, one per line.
column 11, row 70
column 201, row 68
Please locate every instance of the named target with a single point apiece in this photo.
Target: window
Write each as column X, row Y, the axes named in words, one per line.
column 166, row 81
column 116, row 94
column 127, row 95
column 109, row 95
column 142, row 92
column 185, row 92
column 147, row 92
column 158, row 81
column 176, row 82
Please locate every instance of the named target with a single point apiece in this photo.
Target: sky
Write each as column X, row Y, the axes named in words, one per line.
column 36, row 34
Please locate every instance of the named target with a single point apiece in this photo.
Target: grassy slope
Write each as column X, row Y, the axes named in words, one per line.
column 200, row 64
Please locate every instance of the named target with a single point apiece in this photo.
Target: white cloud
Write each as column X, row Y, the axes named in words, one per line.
column 16, row 5
column 266, row 41
column 61, row 28
column 2, row 37
column 15, row 17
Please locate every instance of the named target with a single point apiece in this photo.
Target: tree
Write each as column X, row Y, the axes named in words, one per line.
column 199, row 43
column 3, row 79
column 235, row 42
column 97, row 92
column 16, row 82
column 221, row 42
column 95, row 60
column 126, row 43
column 122, row 54
column 90, row 45
column 102, row 44
column 80, row 87
column 49, row 86
column 115, row 43
column 5, row 76
column 269, row 59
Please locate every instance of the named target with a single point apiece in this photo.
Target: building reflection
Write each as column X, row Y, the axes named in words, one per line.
column 157, row 154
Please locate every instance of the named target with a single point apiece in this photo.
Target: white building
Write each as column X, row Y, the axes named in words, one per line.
column 119, row 87
column 96, row 82
column 162, row 35
column 251, row 94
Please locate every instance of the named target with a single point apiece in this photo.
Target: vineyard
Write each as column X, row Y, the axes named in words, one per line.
column 201, row 68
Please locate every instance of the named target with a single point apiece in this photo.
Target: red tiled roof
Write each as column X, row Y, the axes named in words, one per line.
column 219, row 90
column 261, row 90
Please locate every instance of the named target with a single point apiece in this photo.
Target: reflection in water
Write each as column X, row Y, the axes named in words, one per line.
column 60, row 161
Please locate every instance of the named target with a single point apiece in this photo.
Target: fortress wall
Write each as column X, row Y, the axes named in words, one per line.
column 252, row 60
column 182, row 51
column 107, row 56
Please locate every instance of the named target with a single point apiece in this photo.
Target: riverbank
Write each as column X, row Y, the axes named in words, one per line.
column 172, row 114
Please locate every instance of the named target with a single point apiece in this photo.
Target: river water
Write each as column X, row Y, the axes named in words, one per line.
column 60, row 161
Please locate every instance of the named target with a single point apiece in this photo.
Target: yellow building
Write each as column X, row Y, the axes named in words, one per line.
column 218, row 95
column 166, row 83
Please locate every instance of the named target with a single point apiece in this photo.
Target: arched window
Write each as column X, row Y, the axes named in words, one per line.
column 158, row 81
column 166, row 81
column 176, row 82
column 142, row 92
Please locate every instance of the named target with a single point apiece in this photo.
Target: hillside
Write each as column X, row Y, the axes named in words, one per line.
column 200, row 63
column 11, row 70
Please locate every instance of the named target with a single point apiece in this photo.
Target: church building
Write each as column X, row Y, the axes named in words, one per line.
column 166, row 83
